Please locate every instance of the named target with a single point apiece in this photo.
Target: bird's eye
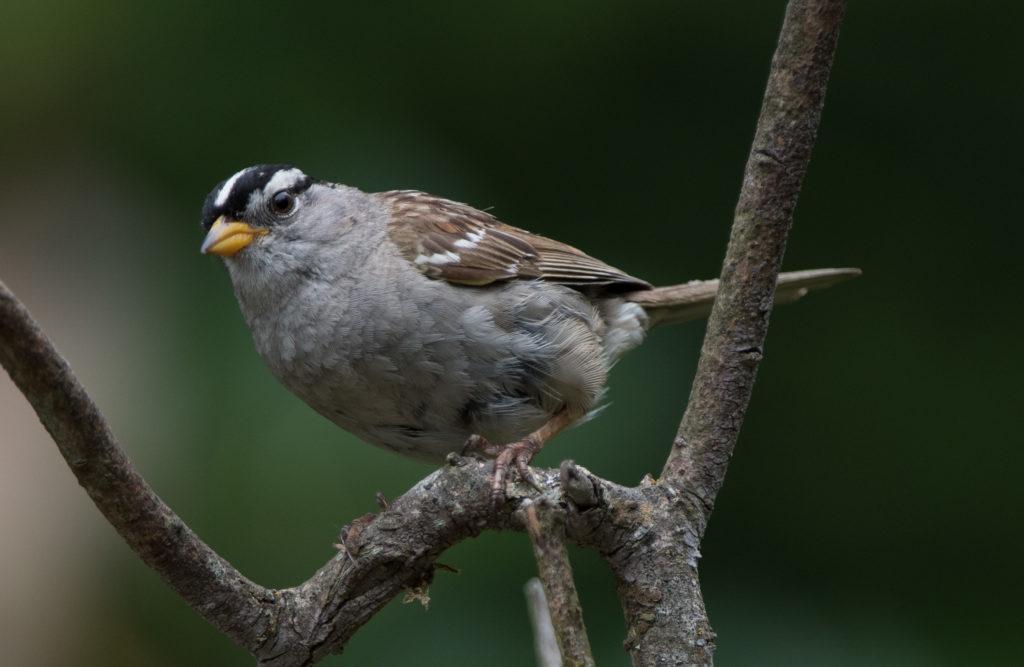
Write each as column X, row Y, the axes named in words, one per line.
column 282, row 202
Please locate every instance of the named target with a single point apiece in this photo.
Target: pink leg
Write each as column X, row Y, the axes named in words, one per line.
column 521, row 453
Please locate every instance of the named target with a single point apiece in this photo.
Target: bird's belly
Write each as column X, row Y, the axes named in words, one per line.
column 422, row 401
column 462, row 370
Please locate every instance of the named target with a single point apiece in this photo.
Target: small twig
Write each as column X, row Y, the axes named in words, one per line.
column 545, row 524
column 544, row 643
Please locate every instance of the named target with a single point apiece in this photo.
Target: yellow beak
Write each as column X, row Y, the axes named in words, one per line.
column 225, row 238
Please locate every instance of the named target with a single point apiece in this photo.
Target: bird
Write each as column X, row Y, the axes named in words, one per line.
column 425, row 326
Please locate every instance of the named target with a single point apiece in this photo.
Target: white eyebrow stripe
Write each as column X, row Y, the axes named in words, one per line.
column 225, row 190
column 282, row 180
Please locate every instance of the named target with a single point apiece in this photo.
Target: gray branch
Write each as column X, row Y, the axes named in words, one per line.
column 545, row 644
column 734, row 342
column 649, row 535
column 545, row 524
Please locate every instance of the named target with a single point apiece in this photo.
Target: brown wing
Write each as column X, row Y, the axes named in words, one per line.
column 460, row 244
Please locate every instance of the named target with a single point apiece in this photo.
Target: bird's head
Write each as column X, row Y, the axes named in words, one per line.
column 251, row 204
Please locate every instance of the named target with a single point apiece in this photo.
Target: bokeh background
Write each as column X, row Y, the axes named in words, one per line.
column 872, row 512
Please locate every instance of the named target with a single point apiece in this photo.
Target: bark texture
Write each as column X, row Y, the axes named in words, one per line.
column 545, row 524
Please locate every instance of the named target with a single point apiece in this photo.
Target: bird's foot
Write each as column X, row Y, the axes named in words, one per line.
column 520, row 453
column 351, row 535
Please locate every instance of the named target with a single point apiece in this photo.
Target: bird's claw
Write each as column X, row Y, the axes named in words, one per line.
column 520, row 453
column 478, row 443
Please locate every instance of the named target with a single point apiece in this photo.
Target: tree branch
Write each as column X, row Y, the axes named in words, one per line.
column 546, row 527
column 657, row 575
column 734, row 341
column 545, row 645
column 648, row 537
column 163, row 541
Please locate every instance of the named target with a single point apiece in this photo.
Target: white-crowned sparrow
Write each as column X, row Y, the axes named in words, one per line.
column 420, row 324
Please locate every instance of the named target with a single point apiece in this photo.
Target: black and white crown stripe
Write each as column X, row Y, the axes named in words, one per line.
column 232, row 197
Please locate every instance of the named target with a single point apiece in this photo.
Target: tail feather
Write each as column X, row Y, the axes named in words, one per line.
column 692, row 300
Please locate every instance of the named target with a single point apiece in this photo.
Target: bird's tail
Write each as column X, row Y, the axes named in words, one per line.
column 692, row 300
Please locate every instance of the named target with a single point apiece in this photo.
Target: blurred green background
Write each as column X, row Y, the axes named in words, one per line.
column 872, row 513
